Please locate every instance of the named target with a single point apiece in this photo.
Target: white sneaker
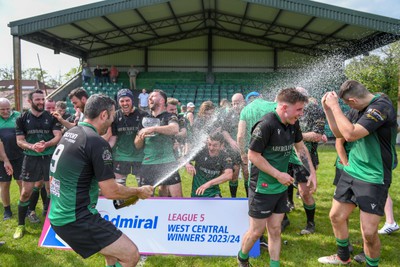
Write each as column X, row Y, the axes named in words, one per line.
column 388, row 228
column 333, row 259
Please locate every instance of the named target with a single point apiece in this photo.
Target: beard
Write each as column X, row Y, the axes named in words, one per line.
column 38, row 108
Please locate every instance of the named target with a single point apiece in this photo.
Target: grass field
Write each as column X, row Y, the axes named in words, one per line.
column 299, row 251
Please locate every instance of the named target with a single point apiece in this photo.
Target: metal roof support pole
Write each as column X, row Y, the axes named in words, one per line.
column 275, row 59
column 17, row 73
column 210, row 75
column 146, row 59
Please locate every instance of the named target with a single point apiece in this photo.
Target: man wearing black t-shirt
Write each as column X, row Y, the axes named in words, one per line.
column 38, row 133
column 272, row 141
column 81, row 164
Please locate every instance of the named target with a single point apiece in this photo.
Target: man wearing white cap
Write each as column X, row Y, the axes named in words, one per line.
column 190, row 113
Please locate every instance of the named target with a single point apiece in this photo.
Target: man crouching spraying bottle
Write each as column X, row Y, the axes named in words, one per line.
column 81, row 164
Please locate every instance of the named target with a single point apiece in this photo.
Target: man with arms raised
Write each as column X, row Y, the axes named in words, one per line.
column 128, row 120
column 81, row 164
column 272, row 140
column 365, row 181
column 159, row 160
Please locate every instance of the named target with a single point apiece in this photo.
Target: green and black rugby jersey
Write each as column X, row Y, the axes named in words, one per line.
column 274, row 140
column 372, row 157
column 159, row 148
column 36, row 129
column 126, row 128
column 81, row 160
column 208, row 168
column 7, row 136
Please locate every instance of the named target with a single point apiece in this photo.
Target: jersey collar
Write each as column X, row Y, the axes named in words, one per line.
column 87, row 125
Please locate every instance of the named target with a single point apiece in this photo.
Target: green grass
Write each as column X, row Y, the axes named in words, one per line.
column 300, row 250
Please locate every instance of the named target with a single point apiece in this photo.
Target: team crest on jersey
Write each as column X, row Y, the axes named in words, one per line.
column 257, row 133
column 375, row 115
column 107, row 155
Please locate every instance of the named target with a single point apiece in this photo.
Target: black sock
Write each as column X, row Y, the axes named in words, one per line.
column 233, row 186
column 45, row 199
column 22, row 209
column 34, row 199
column 8, row 208
column 343, row 249
column 285, row 217
column 310, row 212
column 290, row 193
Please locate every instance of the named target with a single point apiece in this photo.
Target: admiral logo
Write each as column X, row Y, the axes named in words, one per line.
column 133, row 223
column 373, row 205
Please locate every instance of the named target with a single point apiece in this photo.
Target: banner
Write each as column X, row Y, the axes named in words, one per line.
column 184, row 226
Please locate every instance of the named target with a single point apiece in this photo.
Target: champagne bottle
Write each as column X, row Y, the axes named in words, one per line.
column 121, row 203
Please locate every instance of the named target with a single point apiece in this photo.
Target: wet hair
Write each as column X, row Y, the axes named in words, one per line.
column 78, row 93
column 351, row 88
column 205, row 106
column 37, row 91
column 291, row 96
column 61, row 104
column 96, row 104
column 162, row 93
column 172, row 101
column 217, row 136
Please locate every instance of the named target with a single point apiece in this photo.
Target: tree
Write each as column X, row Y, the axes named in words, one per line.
column 379, row 72
column 6, row 73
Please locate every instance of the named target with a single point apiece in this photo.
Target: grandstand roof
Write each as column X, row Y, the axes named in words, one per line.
column 300, row 26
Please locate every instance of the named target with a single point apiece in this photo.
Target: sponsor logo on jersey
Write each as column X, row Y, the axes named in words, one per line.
column 373, row 205
column 375, row 115
column 107, row 155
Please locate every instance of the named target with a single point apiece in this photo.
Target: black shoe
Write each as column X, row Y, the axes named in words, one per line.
column 351, row 249
column 310, row 229
column 285, row 223
column 360, row 258
column 242, row 262
column 263, row 242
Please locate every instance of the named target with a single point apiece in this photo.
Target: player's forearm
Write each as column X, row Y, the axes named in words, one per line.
column 332, row 123
column 304, row 156
column 345, row 127
column 170, row 129
column 3, row 155
column 312, row 137
column 54, row 141
column 224, row 177
column 262, row 164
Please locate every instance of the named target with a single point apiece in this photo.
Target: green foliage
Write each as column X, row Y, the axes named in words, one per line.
column 299, row 250
column 378, row 72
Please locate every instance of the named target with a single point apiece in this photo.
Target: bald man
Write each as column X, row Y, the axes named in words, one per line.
column 13, row 152
column 230, row 131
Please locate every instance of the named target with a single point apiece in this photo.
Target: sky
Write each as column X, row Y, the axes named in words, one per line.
column 12, row 11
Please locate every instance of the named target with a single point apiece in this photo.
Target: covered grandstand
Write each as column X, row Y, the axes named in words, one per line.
column 200, row 50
